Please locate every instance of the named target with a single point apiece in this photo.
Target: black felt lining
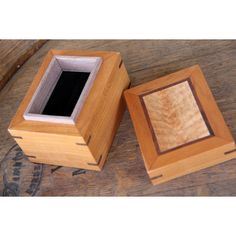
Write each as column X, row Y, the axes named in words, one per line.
column 66, row 93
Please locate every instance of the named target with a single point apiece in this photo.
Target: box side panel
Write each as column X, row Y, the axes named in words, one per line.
column 61, row 159
column 53, row 147
column 192, row 164
column 108, row 115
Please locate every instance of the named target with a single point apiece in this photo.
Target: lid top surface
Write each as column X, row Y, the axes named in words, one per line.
column 176, row 117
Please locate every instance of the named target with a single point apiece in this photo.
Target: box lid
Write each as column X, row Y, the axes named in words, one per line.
column 176, row 117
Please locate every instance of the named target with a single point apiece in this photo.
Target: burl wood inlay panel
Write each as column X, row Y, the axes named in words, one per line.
column 175, row 116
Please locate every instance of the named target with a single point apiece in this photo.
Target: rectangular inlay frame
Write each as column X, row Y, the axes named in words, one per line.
column 188, row 80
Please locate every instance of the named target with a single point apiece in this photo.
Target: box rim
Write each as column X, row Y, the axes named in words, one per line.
column 79, row 104
column 19, row 123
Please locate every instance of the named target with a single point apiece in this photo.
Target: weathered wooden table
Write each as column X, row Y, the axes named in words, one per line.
column 124, row 172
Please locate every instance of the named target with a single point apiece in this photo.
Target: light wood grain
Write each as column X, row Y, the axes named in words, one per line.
column 175, row 116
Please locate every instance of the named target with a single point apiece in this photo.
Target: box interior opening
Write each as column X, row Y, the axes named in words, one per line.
column 66, row 93
column 63, row 89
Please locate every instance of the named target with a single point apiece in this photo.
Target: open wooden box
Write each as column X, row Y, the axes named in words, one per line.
column 71, row 111
column 178, row 125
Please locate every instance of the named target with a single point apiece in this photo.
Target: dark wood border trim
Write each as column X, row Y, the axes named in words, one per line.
column 200, row 107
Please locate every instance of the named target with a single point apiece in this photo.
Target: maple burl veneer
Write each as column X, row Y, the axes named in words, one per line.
column 72, row 109
column 175, row 116
column 178, row 125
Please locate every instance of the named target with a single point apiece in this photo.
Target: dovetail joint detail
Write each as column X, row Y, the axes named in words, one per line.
column 85, row 144
column 96, row 164
column 30, row 156
column 157, row 177
column 121, row 62
column 19, row 137
column 231, row 151
column 90, row 136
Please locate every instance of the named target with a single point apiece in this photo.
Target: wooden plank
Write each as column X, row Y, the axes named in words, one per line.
column 124, row 172
column 14, row 53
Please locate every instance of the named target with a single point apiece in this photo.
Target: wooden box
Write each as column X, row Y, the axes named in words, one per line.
column 178, row 125
column 72, row 109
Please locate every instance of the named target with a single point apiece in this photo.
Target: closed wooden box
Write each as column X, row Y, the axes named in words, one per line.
column 178, row 125
column 72, row 109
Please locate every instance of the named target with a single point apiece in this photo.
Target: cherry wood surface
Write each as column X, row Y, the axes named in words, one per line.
column 92, row 132
column 124, row 173
column 204, row 150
